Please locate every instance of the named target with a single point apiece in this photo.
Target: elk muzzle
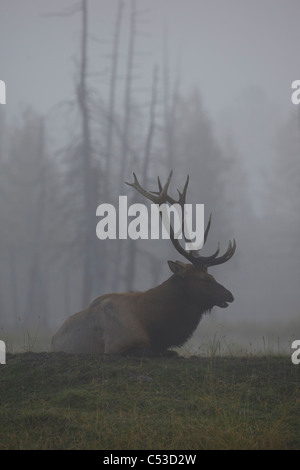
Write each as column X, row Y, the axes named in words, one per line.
column 227, row 297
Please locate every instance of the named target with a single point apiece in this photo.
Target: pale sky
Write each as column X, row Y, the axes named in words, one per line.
column 242, row 55
column 221, row 46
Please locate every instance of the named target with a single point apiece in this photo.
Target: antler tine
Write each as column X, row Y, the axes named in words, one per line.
column 181, row 202
column 214, row 261
column 182, row 195
column 159, row 184
column 227, row 255
column 195, row 253
column 203, row 259
column 160, row 188
column 155, row 197
column 207, row 229
column 164, row 191
column 161, row 196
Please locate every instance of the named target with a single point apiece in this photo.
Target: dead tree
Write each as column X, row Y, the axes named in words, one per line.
column 132, row 250
column 112, row 93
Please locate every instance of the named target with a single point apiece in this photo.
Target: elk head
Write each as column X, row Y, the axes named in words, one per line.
column 200, row 287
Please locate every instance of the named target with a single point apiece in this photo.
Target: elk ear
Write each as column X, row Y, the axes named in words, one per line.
column 177, row 267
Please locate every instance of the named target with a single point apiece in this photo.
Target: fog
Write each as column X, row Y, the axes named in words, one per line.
column 203, row 88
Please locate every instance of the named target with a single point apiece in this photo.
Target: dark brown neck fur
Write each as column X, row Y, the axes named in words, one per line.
column 169, row 315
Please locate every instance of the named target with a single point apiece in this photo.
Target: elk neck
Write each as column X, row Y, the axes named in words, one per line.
column 168, row 313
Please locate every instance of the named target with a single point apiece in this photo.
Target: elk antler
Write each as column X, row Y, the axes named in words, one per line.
column 161, row 196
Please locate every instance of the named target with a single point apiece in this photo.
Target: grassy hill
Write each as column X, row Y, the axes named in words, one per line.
column 60, row 401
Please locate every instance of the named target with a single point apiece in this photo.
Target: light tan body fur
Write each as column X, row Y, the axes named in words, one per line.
column 107, row 326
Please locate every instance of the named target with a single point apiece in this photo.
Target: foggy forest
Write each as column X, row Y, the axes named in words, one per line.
column 129, row 110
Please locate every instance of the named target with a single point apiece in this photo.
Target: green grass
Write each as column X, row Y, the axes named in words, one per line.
column 60, row 401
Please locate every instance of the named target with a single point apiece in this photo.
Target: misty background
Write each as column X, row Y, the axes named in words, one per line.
column 99, row 89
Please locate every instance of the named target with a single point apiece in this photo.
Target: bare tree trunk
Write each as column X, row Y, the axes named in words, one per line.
column 170, row 104
column 109, row 270
column 132, row 252
column 167, row 124
column 2, row 192
column 36, row 297
column 82, row 99
column 14, row 284
column 126, row 133
column 90, row 180
column 67, row 302
column 151, row 127
column 112, row 92
column 128, row 87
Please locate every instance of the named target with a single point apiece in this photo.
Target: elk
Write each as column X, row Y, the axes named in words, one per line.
column 150, row 322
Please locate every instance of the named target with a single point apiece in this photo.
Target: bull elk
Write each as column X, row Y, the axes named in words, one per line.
column 155, row 320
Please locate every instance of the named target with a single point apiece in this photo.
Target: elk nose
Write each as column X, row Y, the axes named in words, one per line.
column 229, row 297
